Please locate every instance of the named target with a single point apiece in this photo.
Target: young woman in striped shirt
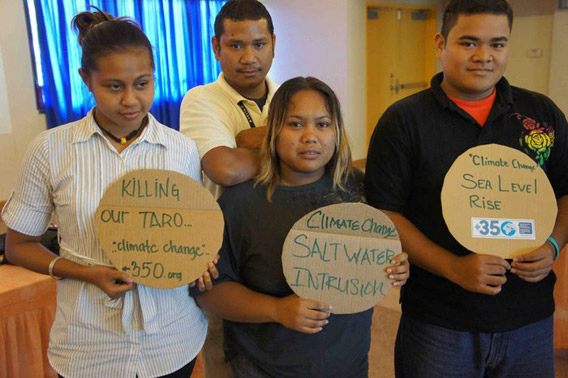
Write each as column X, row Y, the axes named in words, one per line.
column 105, row 324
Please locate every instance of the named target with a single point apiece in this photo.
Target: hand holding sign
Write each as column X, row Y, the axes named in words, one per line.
column 338, row 254
column 498, row 201
column 484, row 274
column 302, row 315
column 160, row 227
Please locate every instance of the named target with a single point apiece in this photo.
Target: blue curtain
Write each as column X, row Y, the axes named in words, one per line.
column 180, row 32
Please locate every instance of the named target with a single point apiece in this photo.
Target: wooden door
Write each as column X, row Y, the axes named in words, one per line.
column 401, row 57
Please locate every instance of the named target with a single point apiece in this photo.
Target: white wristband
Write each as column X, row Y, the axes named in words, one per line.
column 50, row 268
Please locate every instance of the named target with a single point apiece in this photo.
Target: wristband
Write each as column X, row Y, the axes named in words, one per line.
column 50, row 268
column 556, row 248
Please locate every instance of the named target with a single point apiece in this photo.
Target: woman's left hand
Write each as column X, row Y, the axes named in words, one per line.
column 399, row 270
column 205, row 282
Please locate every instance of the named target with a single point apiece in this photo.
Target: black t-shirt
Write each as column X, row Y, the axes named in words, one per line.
column 255, row 230
column 412, row 148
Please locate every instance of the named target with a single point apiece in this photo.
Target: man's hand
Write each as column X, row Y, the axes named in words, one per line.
column 251, row 138
column 478, row 273
column 535, row 265
column 302, row 315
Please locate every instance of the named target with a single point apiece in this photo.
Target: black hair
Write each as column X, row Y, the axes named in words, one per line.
column 100, row 34
column 241, row 10
column 470, row 7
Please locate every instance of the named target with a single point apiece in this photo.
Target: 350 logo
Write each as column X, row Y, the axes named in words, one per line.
column 496, row 228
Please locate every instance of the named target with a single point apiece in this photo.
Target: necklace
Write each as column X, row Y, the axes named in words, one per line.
column 121, row 140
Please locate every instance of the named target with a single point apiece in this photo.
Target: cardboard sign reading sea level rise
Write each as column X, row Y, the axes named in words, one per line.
column 498, row 201
column 338, row 254
column 160, row 227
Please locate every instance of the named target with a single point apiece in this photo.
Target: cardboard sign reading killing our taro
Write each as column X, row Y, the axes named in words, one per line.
column 496, row 200
column 338, row 254
column 160, row 227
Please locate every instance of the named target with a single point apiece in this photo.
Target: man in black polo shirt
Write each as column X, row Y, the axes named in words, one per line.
column 467, row 314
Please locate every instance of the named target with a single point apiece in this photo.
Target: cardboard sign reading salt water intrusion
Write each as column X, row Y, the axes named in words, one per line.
column 498, row 201
column 338, row 255
column 160, row 227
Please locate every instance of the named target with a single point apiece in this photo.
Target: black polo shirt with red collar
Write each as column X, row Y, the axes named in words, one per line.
column 413, row 146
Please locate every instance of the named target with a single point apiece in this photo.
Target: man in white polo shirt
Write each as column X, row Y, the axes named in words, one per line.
column 227, row 119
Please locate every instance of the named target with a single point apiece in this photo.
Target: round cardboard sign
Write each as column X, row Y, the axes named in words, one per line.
column 496, row 200
column 161, row 227
column 338, row 254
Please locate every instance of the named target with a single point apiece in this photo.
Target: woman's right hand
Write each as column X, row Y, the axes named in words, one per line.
column 113, row 282
column 302, row 315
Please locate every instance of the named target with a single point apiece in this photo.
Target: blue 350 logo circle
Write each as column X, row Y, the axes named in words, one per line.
column 508, row 228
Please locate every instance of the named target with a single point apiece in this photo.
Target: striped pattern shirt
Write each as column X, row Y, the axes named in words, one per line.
column 148, row 332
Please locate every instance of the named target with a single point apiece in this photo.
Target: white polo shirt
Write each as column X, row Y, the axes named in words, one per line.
column 211, row 116
column 147, row 332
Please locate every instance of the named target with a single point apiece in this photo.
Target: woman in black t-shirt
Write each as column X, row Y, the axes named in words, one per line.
column 305, row 164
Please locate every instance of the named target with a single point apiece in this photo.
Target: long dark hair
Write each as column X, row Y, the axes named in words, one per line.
column 339, row 166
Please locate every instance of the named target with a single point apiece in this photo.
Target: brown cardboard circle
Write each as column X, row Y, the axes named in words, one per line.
column 161, row 227
column 496, row 200
column 338, row 254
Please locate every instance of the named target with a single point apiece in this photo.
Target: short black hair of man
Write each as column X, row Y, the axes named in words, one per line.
column 471, row 7
column 241, row 10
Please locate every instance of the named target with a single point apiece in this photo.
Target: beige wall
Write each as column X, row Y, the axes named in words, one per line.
column 25, row 120
column 531, row 34
column 558, row 83
column 312, row 41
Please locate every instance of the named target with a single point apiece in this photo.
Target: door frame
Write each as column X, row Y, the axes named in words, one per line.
column 430, row 65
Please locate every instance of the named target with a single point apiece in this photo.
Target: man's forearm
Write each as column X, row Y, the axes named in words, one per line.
column 421, row 250
column 230, row 166
column 226, row 300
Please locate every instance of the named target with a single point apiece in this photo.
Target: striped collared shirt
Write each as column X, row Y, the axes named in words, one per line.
column 148, row 332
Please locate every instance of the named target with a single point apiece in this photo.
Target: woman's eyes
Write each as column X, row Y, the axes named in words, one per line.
column 115, row 87
column 321, row 125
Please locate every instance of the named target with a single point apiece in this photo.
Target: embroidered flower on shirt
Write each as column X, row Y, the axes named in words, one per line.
column 536, row 139
column 529, row 124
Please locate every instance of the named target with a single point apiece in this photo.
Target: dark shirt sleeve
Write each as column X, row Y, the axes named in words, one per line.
column 229, row 259
column 558, row 164
column 388, row 172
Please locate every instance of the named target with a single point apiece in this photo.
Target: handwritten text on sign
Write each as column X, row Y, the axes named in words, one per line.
column 160, row 227
column 338, row 254
column 503, row 183
column 497, row 200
